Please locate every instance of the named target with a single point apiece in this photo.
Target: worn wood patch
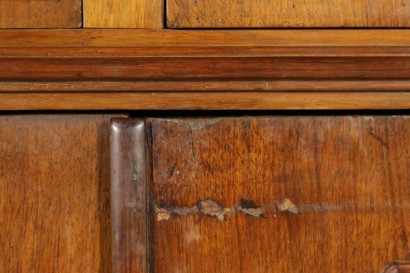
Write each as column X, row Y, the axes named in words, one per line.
column 348, row 176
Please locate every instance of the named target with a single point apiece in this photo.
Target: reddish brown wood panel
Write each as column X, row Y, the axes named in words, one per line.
column 40, row 14
column 287, row 13
column 129, row 208
column 54, row 193
column 280, row 194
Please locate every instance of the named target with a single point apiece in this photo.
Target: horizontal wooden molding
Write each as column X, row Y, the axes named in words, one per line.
column 171, row 69
column 186, row 38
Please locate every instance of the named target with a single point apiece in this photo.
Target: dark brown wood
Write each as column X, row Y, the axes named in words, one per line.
column 204, row 68
column 40, row 14
column 280, row 194
column 54, row 193
column 287, row 13
column 129, row 209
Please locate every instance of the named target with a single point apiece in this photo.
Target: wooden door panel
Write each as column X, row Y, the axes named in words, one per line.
column 40, row 14
column 289, row 13
column 54, row 193
column 280, row 194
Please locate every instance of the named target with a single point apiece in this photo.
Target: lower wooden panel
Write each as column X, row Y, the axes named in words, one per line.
column 54, row 193
column 280, row 194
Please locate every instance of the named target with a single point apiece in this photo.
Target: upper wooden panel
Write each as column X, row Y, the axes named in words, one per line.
column 40, row 14
column 123, row 13
column 288, row 13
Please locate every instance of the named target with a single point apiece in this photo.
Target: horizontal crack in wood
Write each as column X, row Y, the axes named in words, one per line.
column 210, row 207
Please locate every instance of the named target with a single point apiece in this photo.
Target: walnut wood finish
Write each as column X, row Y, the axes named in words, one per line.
column 287, row 13
column 204, row 38
column 345, row 177
column 123, row 13
column 129, row 209
column 205, row 100
column 205, row 70
column 40, row 14
column 54, row 193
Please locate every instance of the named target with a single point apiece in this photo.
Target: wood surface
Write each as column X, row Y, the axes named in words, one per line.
column 287, row 14
column 54, row 193
column 368, row 38
column 40, row 14
column 280, row 194
column 123, row 13
column 129, row 207
column 205, row 100
column 169, row 69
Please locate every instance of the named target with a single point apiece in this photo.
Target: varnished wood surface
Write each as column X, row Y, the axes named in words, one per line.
column 204, row 100
column 203, row 38
column 40, row 14
column 287, row 13
column 123, row 13
column 347, row 175
column 129, row 206
column 204, row 68
column 168, row 69
column 54, row 193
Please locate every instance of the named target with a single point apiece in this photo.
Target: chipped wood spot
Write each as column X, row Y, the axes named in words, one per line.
column 212, row 208
column 287, row 205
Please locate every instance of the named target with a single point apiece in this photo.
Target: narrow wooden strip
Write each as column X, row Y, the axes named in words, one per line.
column 205, row 101
column 287, row 13
column 187, row 38
column 206, row 51
column 205, row 68
column 40, row 14
column 128, row 197
column 123, row 13
column 206, row 86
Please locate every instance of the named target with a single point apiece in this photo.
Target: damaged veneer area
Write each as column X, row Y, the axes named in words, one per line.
column 210, row 207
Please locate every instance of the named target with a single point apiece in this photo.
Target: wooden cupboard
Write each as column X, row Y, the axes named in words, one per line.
column 279, row 150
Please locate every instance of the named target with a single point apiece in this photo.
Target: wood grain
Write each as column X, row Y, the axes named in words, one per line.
column 123, row 13
column 54, row 193
column 348, row 176
column 204, row 68
column 168, row 69
column 205, row 100
column 40, row 14
column 287, row 14
column 129, row 206
column 120, row 38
